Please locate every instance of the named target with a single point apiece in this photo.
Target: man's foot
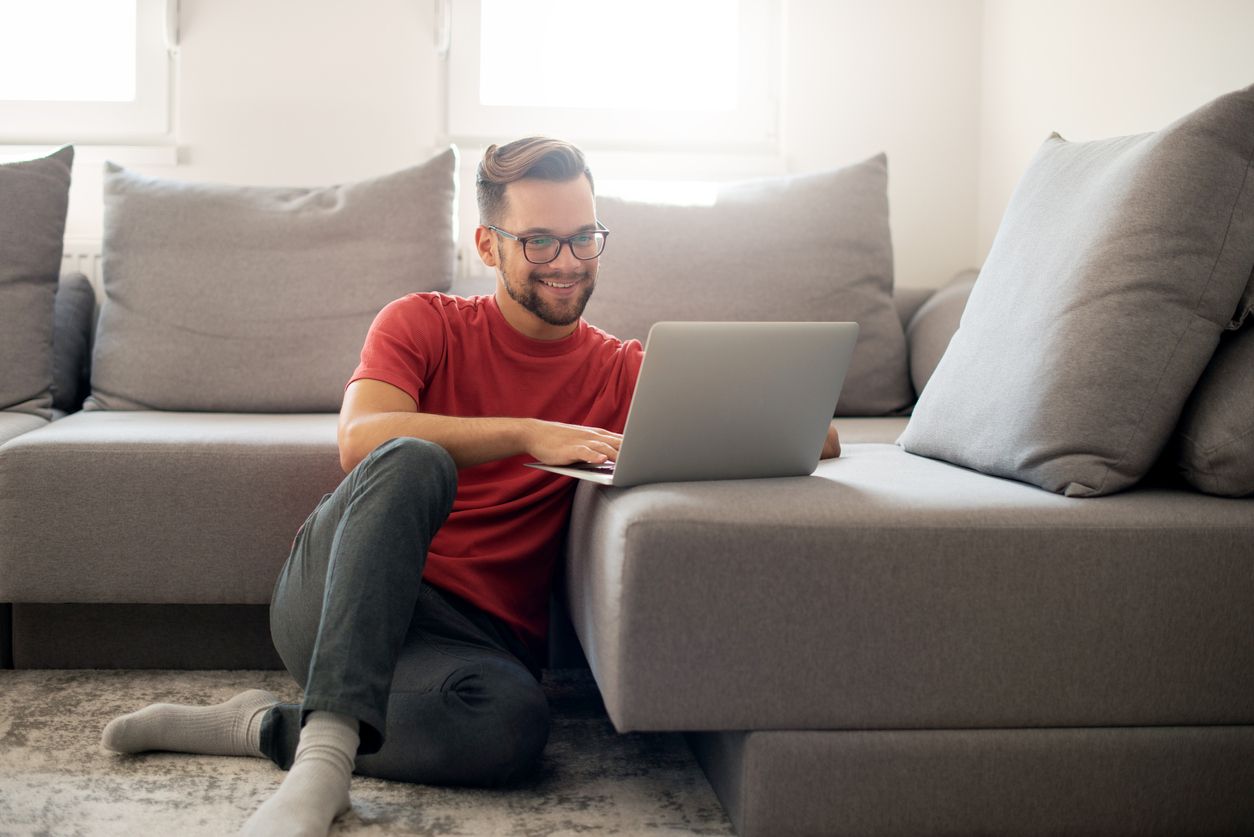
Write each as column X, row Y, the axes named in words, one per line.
column 227, row 729
column 315, row 790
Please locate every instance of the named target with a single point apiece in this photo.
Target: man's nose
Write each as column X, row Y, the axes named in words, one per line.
column 566, row 259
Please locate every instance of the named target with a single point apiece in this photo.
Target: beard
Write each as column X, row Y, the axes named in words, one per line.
column 526, row 292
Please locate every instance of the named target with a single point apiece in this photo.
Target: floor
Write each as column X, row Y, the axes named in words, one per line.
column 56, row 779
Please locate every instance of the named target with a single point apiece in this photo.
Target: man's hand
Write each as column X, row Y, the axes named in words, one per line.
column 831, row 446
column 553, row 443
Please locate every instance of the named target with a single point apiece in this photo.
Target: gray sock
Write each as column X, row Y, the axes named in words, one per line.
column 227, row 729
column 315, row 790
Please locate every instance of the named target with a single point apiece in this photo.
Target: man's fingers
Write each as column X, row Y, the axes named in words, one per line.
column 602, row 450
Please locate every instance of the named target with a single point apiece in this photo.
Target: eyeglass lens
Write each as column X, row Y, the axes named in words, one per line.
column 544, row 249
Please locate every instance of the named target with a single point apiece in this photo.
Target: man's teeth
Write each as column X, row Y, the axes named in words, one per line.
column 558, row 284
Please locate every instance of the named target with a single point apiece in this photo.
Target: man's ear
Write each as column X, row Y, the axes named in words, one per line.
column 483, row 245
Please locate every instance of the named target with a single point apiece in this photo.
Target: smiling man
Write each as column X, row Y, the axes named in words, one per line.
column 414, row 605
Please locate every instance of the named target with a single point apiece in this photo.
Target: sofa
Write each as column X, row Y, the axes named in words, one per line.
column 899, row 643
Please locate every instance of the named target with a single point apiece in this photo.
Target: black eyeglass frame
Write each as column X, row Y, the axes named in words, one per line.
column 523, row 239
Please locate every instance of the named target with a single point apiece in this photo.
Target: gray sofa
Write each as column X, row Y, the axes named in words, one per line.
column 893, row 645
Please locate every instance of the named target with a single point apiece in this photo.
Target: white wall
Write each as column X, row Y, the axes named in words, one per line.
column 899, row 76
column 1097, row 68
column 959, row 93
column 295, row 92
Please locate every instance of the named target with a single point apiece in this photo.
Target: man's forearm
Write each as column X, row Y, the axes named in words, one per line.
column 470, row 441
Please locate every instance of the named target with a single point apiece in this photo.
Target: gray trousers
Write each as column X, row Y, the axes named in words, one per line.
column 444, row 693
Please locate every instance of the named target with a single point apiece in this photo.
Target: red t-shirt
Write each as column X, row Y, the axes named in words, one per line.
column 459, row 357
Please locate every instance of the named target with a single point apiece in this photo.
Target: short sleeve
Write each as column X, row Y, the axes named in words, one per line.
column 406, row 342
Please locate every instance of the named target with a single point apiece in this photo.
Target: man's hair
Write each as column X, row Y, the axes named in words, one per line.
column 539, row 157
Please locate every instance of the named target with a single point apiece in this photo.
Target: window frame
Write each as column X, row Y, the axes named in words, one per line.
column 752, row 128
column 147, row 118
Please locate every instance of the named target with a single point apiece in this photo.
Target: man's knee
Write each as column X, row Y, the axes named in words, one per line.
column 507, row 721
column 406, row 463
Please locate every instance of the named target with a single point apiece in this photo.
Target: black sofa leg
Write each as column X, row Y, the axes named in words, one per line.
column 6, row 636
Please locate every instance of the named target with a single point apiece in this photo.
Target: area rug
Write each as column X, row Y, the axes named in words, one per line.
column 56, row 779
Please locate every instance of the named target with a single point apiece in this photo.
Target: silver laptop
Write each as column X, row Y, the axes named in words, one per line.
column 718, row 401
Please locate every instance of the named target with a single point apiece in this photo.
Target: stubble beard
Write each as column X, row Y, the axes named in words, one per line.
column 526, row 293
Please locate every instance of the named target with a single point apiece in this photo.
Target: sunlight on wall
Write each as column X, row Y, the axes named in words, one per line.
column 677, row 192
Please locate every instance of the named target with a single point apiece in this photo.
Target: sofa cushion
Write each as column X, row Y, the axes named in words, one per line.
column 34, row 197
column 933, row 325
column 251, row 299
column 908, row 301
column 73, row 318
column 151, row 507
column 809, row 247
column 1215, row 437
column 892, row 591
column 14, row 423
column 1117, row 265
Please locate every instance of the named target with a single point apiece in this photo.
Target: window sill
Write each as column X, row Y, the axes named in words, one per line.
column 91, row 153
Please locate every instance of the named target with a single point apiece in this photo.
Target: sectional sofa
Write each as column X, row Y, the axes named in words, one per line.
column 902, row 643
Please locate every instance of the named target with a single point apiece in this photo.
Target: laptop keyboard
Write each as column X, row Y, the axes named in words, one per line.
column 604, row 467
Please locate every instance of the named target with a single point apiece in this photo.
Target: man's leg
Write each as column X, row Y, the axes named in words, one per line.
column 465, row 709
column 341, row 609
column 344, row 601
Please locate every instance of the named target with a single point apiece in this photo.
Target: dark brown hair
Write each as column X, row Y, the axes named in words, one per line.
column 539, row 157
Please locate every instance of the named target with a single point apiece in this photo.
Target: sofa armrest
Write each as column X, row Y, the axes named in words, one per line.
column 933, row 325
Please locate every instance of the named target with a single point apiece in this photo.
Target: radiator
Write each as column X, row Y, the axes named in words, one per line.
column 82, row 255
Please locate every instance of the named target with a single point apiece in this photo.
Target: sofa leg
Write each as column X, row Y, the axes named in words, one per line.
column 6, row 636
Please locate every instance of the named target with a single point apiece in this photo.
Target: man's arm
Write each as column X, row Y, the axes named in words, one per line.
column 374, row 412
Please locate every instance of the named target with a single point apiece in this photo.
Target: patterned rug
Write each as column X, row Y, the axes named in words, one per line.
column 56, row 779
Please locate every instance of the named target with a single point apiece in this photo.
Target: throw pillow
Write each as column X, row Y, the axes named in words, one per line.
column 1215, row 438
column 258, row 299
column 1116, row 266
column 808, row 247
column 71, row 341
column 34, row 198
column 933, row 326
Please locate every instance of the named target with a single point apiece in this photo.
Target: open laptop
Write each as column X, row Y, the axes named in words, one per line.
column 719, row 401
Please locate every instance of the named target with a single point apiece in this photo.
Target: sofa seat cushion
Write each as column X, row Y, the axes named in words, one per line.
column 160, row 508
column 892, row 591
column 881, row 429
column 14, row 424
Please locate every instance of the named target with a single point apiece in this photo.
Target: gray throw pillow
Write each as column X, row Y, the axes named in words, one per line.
column 1116, row 266
column 1215, row 437
column 34, row 197
column 71, row 341
column 933, row 326
column 258, row 299
column 808, row 247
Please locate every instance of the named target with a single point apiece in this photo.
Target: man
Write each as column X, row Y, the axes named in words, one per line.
column 413, row 606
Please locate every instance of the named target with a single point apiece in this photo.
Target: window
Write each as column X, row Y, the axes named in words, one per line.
column 625, row 74
column 85, row 70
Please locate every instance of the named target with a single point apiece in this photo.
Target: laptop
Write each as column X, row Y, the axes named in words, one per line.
column 718, row 401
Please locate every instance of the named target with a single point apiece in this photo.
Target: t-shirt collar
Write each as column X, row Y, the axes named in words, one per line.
column 520, row 342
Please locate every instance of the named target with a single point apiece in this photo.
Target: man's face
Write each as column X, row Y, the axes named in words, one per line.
column 556, row 293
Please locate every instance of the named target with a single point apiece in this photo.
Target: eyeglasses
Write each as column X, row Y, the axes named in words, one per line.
column 542, row 249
